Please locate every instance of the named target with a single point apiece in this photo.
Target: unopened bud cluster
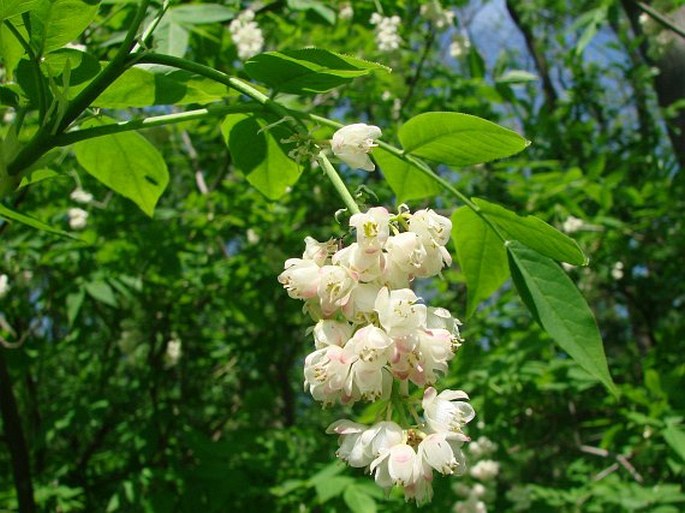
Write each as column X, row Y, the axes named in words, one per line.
column 373, row 337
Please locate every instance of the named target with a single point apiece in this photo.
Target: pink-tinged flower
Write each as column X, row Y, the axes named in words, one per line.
column 363, row 266
column 353, row 143
column 399, row 311
column 319, row 252
column 447, row 411
column 435, row 259
column 422, row 355
column 334, row 287
column 328, row 332
column 326, row 372
column 360, row 444
column 300, row 278
column 442, row 451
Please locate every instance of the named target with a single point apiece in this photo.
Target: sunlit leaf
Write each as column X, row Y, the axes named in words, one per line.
column 406, row 181
column 458, row 139
column 558, row 306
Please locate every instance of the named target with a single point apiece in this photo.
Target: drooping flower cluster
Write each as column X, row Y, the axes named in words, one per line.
column 373, row 331
column 246, row 35
column 387, row 37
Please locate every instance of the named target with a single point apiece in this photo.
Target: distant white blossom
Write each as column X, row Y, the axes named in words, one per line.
column 173, row 353
column 346, row 12
column 572, row 224
column 246, row 35
column 4, row 285
column 459, row 46
column 485, row 470
column 78, row 218
column 617, row 271
column 482, row 447
column 81, row 196
column 353, row 143
column 387, row 37
column 433, row 12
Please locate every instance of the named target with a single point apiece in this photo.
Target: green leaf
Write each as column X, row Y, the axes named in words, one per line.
column 9, row 8
column 12, row 215
column 326, row 489
column 258, row 152
column 534, row 233
column 458, row 139
column 310, row 70
column 11, row 50
column 127, row 163
column 481, row 255
column 55, row 23
column 101, row 291
column 74, row 303
column 199, row 14
column 675, row 438
column 405, row 180
column 558, row 306
column 319, row 8
column 37, row 175
column 139, row 87
column 517, row 76
column 171, row 38
column 358, row 500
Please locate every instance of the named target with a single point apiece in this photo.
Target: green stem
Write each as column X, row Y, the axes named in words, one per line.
column 337, row 183
column 421, row 166
column 150, row 122
column 290, row 118
column 43, row 140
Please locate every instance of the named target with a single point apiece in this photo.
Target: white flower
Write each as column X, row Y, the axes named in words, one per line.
column 81, row 196
column 326, row 372
column 4, row 285
column 317, row 251
column 471, row 505
column 442, row 451
column 572, row 224
column 459, row 46
column 387, row 37
column 360, row 445
column 433, row 229
column 300, row 278
column 78, row 218
column 173, row 353
column 246, row 35
column 372, row 227
column 441, row 318
column 362, row 265
column 346, row 12
column 447, row 411
column 399, row 311
column 359, row 309
column 481, row 447
column 335, row 286
column 485, row 470
column 353, row 143
column 436, row 14
column 370, row 346
column 617, row 271
column 328, row 332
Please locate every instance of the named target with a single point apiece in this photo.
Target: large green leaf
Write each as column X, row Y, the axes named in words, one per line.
column 675, row 437
column 405, row 180
column 558, row 306
column 534, row 233
column 458, row 139
column 139, row 87
column 54, row 23
column 481, row 255
column 358, row 500
column 11, row 50
column 127, row 163
column 310, row 70
column 257, row 151
column 9, row 8
column 13, row 215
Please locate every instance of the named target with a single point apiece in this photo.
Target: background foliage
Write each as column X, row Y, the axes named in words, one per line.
column 112, row 425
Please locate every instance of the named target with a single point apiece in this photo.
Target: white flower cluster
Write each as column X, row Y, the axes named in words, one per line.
column 346, row 11
column 572, row 224
column 459, row 46
column 476, row 495
column 246, row 35
column 407, row 457
column 371, row 329
column 387, row 38
column 81, row 196
column 439, row 17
